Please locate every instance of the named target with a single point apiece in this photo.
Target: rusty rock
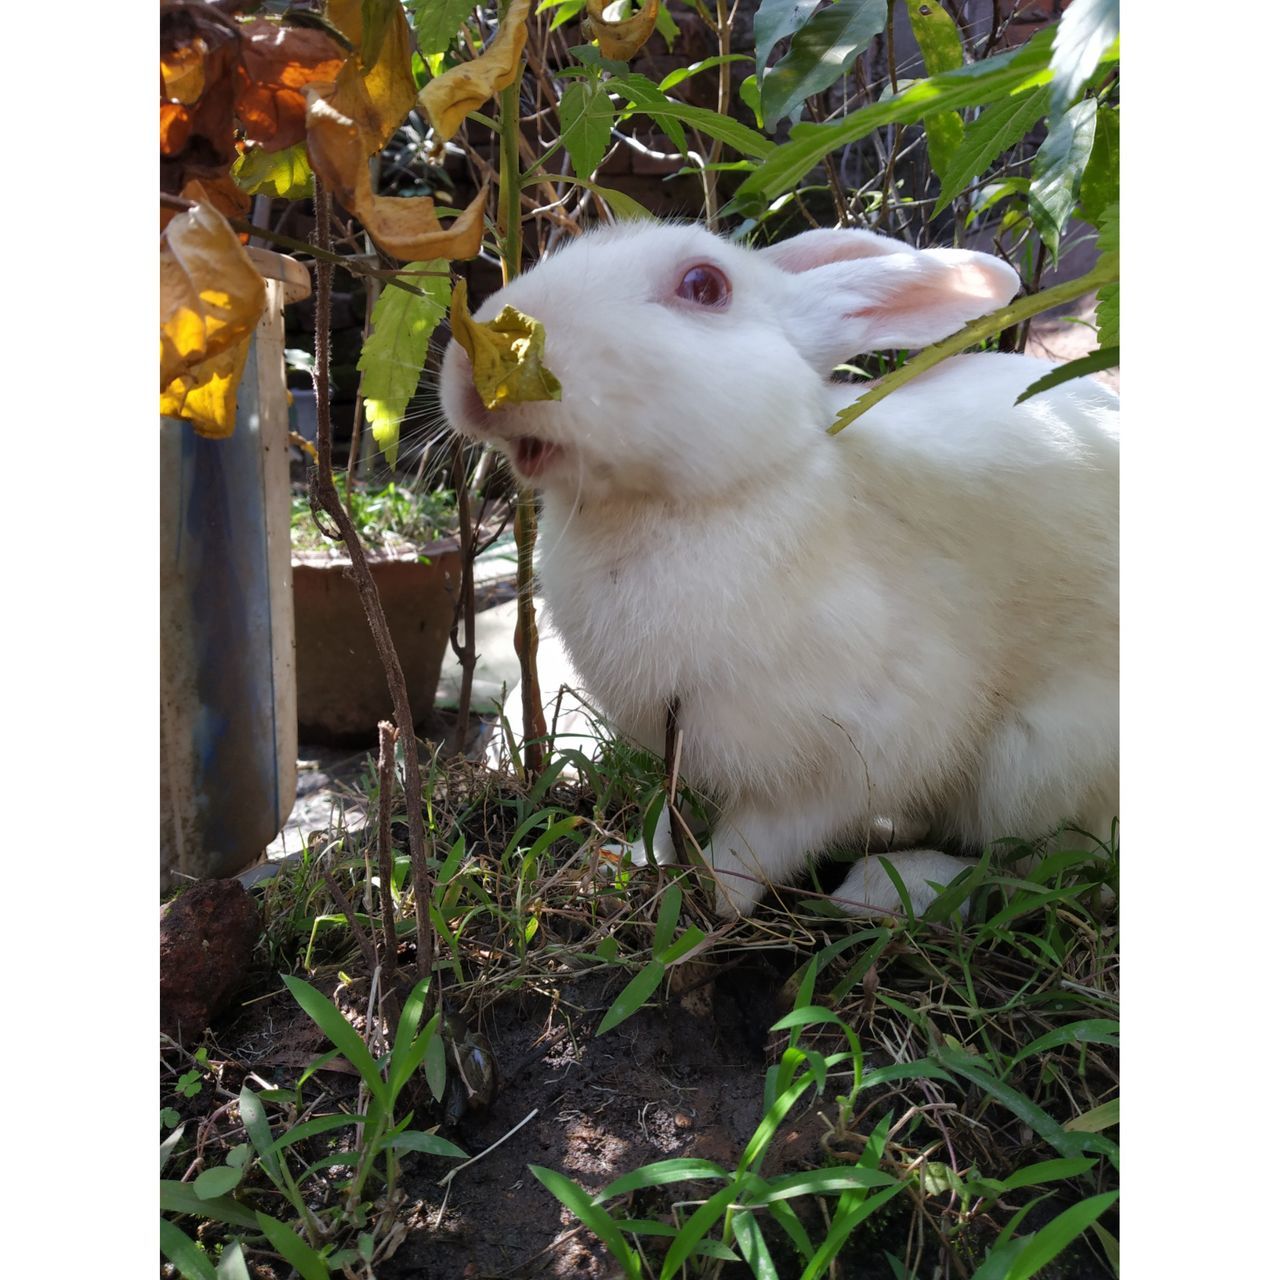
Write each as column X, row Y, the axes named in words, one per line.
column 207, row 937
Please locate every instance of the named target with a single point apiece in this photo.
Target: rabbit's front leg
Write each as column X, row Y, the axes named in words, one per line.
column 868, row 891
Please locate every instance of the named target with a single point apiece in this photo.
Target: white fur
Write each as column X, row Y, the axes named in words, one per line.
column 915, row 618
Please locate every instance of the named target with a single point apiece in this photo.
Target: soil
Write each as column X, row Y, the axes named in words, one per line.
column 680, row 1079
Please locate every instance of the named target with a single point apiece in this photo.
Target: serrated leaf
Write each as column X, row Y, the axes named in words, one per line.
column 284, row 174
column 632, row 996
column 939, row 40
column 1094, row 362
column 821, row 52
column 396, row 349
column 1109, row 315
column 999, row 127
column 669, row 116
column 586, row 118
column 1100, row 183
column 436, row 22
column 1087, row 30
column 1058, row 168
column 191, row 1260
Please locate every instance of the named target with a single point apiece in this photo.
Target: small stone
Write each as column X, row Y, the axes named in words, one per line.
column 207, row 937
column 683, row 1120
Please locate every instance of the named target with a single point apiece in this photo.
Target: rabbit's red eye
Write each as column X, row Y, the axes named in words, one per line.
column 705, row 285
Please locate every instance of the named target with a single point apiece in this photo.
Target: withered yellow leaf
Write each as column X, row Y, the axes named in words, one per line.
column 622, row 40
column 210, row 300
column 406, row 227
column 379, row 97
column 469, row 85
column 505, row 353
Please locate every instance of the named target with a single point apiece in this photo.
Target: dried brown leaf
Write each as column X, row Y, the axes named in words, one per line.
column 449, row 97
column 276, row 63
column 378, row 97
column 622, row 40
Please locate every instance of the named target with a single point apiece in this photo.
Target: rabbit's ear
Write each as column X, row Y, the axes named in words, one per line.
column 872, row 299
column 819, row 248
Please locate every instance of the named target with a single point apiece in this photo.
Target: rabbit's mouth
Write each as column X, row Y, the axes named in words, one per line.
column 532, row 456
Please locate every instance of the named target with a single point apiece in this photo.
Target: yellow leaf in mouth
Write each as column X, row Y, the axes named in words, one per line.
column 447, row 99
column 622, row 40
column 505, row 352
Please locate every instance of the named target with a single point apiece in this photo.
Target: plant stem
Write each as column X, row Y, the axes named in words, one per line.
column 465, row 613
column 526, row 508
column 1106, row 272
column 324, row 497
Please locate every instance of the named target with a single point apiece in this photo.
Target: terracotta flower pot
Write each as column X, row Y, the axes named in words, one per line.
column 342, row 689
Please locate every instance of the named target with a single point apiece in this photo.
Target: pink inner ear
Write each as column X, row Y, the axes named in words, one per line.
column 820, row 248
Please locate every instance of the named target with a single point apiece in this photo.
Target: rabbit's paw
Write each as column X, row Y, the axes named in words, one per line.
column 868, row 891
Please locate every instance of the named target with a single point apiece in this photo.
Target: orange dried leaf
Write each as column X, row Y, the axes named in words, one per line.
column 622, row 40
column 197, row 136
column 221, row 193
column 276, row 63
column 469, row 85
column 182, row 72
column 405, row 227
column 378, row 97
column 211, row 298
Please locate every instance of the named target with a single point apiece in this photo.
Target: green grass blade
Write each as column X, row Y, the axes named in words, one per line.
column 401, row 1067
column 698, row 1224
column 632, row 996
column 752, row 1246
column 1036, row 1175
column 254, row 1116
column 1106, row 1116
column 1086, row 1031
column 232, row 1266
column 820, row 1182
column 217, row 1180
column 661, row 1173
column 668, row 917
column 430, row 1144
column 341, row 1033
column 842, row 1228
column 295, row 1251
column 180, row 1197
column 192, row 1261
column 1038, row 1250
column 576, row 1200
column 309, row 1129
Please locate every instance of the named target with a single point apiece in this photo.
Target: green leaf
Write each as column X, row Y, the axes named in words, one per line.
column 430, row 1144
column 218, row 1180
column 668, row 917
column 1058, row 168
column 632, row 996
column 818, row 1182
column 692, row 937
column 168, row 1145
column 939, row 40
column 1106, row 1116
column 396, row 350
column 436, row 22
column 405, row 1052
column 842, row 1228
column 697, row 1225
column 340, row 1032
column 1086, row 1030
column 309, row 1129
column 1100, row 183
column 785, row 166
column 576, row 1200
column 1094, row 362
column 254, row 1117
column 774, row 21
column 1109, row 316
column 180, row 1197
column 645, row 98
column 1055, row 1236
column 821, row 52
column 284, row 174
column 681, row 74
column 436, row 1065
column 755, row 1252
column 232, row 1266
column 659, row 1174
column 304, row 1259
column 1087, row 30
column 586, row 117
column 191, row 1260
column 998, row 128
column 1036, row 1175
column 749, row 92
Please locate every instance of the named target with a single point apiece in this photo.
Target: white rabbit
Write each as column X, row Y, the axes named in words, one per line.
column 915, row 618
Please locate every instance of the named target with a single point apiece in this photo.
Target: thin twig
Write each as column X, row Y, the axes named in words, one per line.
column 387, row 735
